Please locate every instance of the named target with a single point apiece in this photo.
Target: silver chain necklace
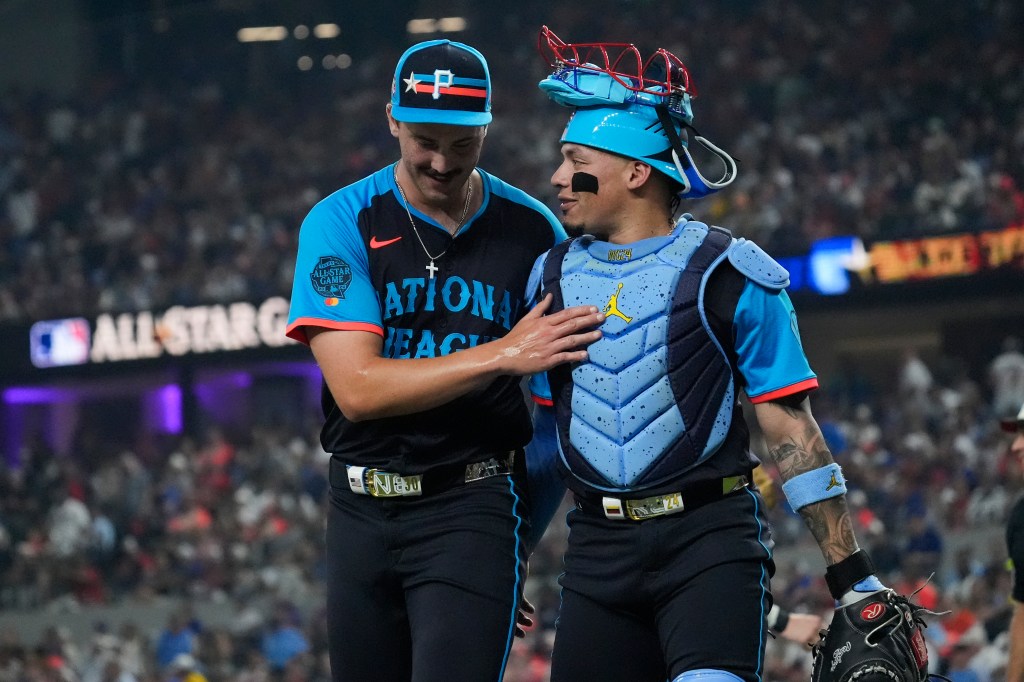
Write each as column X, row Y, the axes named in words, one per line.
column 431, row 268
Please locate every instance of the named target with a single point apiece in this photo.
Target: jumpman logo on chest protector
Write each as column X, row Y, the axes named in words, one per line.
column 611, row 308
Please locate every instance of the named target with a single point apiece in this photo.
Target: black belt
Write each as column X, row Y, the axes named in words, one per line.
column 640, row 509
column 381, row 483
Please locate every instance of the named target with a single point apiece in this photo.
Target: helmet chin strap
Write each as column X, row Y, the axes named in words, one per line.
column 687, row 187
column 695, row 185
column 728, row 174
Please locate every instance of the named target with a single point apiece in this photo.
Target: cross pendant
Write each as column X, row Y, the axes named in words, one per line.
column 432, row 268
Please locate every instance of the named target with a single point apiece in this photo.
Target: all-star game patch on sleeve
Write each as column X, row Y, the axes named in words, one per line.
column 331, row 286
column 770, row 355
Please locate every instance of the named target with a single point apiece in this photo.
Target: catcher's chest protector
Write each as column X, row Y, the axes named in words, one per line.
column 656, row 396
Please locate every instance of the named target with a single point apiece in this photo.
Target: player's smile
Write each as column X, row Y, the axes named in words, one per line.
column 442, row 181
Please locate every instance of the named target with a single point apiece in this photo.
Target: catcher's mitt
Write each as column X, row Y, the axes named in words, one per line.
column 877, row 639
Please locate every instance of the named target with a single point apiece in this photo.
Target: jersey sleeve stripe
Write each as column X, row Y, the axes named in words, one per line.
column 548, row 402
column 805, row 385
column 296, row 330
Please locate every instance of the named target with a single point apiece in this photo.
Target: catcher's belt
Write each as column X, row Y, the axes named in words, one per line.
column 640, row 509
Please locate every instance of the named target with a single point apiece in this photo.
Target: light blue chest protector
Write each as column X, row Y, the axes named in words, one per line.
column 656, row 396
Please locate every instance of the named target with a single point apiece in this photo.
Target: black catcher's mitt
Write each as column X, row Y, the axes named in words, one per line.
column 877, row 639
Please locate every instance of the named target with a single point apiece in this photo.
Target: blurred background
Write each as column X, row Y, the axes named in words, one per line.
column 162, row 485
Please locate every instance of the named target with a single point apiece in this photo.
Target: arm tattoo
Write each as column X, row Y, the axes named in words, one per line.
column 793, row 411
column 803, row 449
column 830, row 524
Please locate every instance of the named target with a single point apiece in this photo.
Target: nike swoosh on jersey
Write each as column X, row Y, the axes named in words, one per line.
column 375, row 244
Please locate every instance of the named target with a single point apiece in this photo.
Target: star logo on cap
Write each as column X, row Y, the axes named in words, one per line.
column 411, row 82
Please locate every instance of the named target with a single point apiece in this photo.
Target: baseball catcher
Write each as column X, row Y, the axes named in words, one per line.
column 650, row 439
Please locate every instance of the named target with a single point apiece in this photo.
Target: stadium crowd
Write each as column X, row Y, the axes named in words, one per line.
column 874, row 119
column 871, row 118
column 235, row 518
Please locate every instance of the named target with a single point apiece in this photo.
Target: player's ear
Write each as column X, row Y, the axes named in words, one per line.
column 637, row 173
column 392, row 123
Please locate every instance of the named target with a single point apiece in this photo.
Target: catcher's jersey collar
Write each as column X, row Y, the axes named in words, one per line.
column 617, row 253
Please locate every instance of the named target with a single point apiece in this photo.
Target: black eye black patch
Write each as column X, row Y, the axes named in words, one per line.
column 584, row 182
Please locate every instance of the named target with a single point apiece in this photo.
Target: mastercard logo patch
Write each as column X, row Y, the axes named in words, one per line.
column 331, row 302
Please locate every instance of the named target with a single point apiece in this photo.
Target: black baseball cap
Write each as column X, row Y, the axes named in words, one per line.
column 440, row 81
column 1013, row 424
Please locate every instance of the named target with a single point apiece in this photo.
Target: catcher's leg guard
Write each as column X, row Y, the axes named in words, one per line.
column 707, row 675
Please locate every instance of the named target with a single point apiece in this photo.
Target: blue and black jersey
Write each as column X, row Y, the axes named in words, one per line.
column 360, row 267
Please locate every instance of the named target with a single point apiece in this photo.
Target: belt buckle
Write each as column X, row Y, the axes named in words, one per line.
column 385, row 484
column 377, row 483
column 489, row 467
column 659, row 505
column 646, row 508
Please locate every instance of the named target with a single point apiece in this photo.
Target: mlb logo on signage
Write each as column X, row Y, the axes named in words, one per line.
column 57, row 343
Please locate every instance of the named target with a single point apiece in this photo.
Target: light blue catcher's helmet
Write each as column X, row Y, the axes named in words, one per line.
column 632, row 117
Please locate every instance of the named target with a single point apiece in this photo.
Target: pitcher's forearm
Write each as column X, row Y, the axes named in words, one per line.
column 366, row 385
column 382, row 387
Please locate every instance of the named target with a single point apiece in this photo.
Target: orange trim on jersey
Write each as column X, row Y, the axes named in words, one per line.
column 547, row 402
column 454, row 90
column 295, row 329
column 805, row 385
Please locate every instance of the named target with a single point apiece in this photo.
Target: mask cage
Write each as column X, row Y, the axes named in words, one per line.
column 663, row 74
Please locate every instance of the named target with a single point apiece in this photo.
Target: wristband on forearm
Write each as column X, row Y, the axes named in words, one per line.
column 842, row 576
column 777, row 619
column 815, row 485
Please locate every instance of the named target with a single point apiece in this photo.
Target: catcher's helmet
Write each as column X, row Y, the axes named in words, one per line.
column 633, row 115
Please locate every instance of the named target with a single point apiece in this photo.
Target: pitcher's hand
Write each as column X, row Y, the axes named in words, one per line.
column 539, row 342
